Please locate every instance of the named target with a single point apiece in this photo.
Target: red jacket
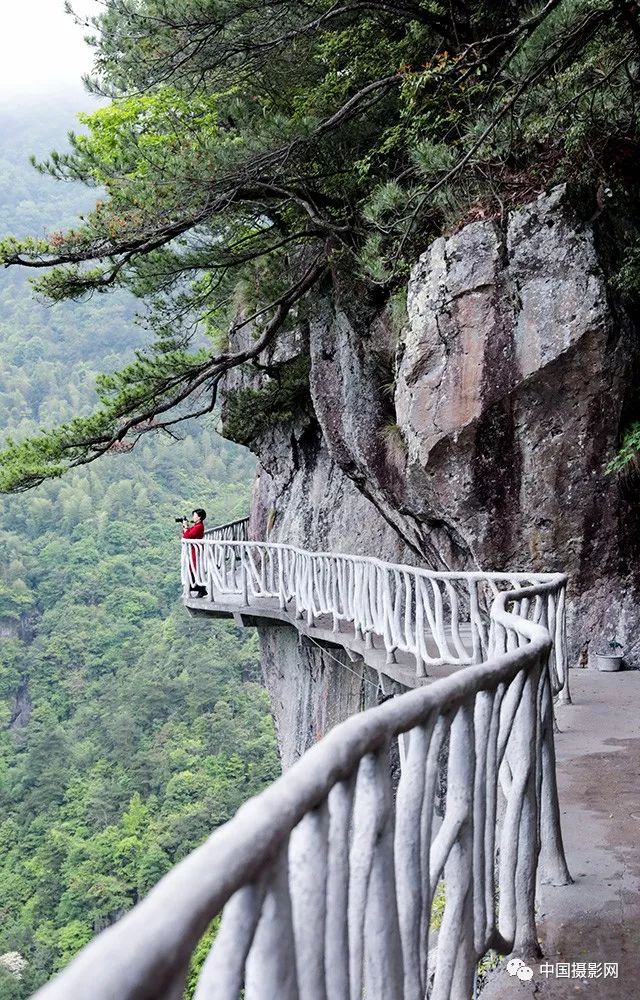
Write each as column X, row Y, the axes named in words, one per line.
column 195, row 531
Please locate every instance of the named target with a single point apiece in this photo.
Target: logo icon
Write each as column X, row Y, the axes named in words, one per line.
column 516, row 967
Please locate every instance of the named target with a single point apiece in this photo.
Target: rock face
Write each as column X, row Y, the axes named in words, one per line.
column 476, row 436
column 517, row 374
column 311, row 689
column 301, row 496
column 23, row 629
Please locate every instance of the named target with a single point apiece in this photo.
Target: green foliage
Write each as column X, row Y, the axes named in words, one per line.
column 627, row 280
column 199, row 957
column 128, row 730
column 249, row 413
column 487, row 964
column 49, row 454
column 30, row 202
column 125, row 136
column 628, row 456
column 398, row 314
column 437, row 906
column 148, row 729
column 432, row 157
column 393, row 439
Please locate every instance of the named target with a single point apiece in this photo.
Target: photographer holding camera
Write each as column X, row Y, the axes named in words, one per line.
column 194, row 530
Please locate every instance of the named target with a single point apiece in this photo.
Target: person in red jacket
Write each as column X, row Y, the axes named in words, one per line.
column 193, row 531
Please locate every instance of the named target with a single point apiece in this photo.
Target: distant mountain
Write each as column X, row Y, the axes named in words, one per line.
column 30, row 202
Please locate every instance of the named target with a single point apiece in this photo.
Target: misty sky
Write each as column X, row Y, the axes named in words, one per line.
column 42, row 51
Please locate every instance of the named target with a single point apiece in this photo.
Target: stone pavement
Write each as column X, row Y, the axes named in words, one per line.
column 597, row 919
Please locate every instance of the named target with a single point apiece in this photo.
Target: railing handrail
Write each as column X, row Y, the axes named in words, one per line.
column 476, row 574
column 136, row 959
column 280, row 869
column 227, row 524
column 381, row 614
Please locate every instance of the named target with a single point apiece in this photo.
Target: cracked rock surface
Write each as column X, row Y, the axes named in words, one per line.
column 477, row 436
column 518, row 374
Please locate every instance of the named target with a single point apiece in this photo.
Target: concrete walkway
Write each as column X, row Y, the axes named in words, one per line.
column 401, row 669
column 597, row 919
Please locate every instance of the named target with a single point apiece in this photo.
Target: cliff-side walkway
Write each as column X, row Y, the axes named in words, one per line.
column 597, row 919
column 407, row 623
column 332, row 883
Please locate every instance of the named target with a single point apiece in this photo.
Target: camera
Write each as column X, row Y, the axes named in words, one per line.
column 179, row 520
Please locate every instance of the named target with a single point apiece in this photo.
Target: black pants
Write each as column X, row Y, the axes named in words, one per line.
column 193, row 584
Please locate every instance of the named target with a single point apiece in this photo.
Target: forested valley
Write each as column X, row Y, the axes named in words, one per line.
column 128, row 731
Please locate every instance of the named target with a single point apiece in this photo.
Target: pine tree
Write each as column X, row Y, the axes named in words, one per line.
column 269, row 147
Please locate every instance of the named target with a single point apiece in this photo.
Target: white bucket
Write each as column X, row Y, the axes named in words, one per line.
column 609, row 662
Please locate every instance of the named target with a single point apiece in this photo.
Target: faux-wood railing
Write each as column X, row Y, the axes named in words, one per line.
column 326, row 881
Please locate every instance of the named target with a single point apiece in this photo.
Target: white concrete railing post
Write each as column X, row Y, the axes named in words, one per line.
column 454, row 844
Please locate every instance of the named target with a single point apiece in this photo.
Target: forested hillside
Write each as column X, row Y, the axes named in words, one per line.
column 128, row 731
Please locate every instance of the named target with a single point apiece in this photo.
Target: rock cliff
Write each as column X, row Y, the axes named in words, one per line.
column 475, row 434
